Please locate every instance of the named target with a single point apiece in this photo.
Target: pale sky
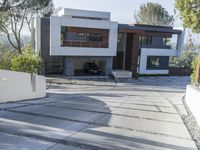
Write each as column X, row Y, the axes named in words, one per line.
column 121, row 10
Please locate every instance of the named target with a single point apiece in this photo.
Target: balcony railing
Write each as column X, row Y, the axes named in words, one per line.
column 91, row 44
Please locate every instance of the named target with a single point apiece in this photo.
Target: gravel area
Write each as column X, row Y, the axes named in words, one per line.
column 192, row 125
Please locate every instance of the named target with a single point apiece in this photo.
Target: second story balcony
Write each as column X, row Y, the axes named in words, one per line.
column 89, row 44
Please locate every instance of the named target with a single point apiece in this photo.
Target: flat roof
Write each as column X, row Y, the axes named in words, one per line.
column 84, row 13
column 147, row 28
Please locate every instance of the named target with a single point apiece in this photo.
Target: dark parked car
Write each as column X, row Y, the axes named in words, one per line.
column 92, row 68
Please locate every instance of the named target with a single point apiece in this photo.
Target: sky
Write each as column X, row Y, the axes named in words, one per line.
column 121, row 10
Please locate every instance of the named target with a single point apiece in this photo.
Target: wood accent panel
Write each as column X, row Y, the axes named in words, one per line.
column 132, row 53
column 135, row 54
column 118, row 60
column 130, row 31
column 146, row 33
column 128, row 57
column 180, row 71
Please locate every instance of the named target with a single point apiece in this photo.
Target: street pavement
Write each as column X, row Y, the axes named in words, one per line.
column 143, row 114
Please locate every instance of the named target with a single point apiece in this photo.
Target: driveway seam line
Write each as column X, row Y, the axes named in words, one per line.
column 99, row 124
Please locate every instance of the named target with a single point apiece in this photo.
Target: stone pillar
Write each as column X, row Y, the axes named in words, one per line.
column 108, row 65
column 69, row 66
column 42, row 69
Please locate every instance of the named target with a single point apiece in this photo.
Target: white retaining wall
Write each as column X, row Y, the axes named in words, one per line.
column 16, row 86
column 193, row 101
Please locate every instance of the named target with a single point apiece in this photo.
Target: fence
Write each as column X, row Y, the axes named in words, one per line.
column 180, row 71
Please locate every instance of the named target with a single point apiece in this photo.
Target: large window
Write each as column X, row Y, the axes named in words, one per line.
column 84, row 37
column 170, row 42
column 145, row 40
column 80, row 34
column 157, row 62
column 94, row 37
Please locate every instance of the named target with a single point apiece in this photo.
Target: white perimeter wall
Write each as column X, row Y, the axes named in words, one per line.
column 145, row 52
column 55, row 37
column 193, row 101
column 16, row 86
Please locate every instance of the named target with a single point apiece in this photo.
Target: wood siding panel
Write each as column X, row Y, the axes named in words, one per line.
column 118, row 61
column 135, row 54
column 146, row 33
column 129, row 45
column 132, row 53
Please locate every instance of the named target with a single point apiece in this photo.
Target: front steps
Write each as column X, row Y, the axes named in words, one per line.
column 122, row 74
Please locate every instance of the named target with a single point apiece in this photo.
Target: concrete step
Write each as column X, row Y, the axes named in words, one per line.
column 122, row 74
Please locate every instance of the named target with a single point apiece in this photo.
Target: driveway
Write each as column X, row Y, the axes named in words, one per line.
column 142, row 114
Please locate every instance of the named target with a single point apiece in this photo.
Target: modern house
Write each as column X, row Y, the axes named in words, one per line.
column 75, row 37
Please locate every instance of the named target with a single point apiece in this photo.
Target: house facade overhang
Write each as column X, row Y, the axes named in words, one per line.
column 75, row 22
column 75, row 37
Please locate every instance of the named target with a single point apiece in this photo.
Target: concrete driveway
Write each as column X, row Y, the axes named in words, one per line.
column 142, row 114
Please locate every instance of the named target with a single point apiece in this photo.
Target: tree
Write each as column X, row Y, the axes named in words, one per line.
column 11, row 25
column 153, row 14
column 8, row 4
column 13, row 20
column 189, row 12
column 45, row 11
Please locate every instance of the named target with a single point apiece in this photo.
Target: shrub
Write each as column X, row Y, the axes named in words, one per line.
column 195, row 68
column 184, row 61
column 5, row 59
column 194, row 74
column 28, row 61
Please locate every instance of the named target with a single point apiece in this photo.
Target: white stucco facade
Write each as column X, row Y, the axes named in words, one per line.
column 37, row 28
column 66, row 20
column 68, row 12
column 180, row 41
column 15, row 86
column 145, row 52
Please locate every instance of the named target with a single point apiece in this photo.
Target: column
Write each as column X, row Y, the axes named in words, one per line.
column 69, row 66
column 108, row 65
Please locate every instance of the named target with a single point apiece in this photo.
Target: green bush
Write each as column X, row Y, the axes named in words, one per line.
column 184, row 61
column 5, row 59
column 28, row 61
column 194, row 74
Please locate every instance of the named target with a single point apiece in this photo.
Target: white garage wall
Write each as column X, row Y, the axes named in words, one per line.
column 16, row 86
